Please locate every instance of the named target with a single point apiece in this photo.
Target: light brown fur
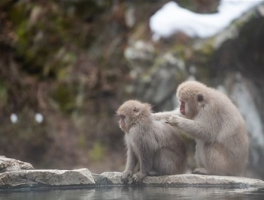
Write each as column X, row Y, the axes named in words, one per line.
column 154, row 144
column 216, row 125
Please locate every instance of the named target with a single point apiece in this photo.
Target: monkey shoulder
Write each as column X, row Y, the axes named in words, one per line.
column 131, row 137
column 142, row 135
column 223, row 102
column 163, row 129
column 162, row 126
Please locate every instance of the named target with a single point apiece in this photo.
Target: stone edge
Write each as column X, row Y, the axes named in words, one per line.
column 112, row 179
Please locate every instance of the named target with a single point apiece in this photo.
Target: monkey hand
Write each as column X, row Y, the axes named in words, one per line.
column 125, row 176
column 173, row 120
column 156, row 116
column 138, row 177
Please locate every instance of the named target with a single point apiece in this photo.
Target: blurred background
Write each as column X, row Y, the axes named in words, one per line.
column 67, row 65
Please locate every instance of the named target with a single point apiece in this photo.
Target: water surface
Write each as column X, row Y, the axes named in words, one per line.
column 146, row 193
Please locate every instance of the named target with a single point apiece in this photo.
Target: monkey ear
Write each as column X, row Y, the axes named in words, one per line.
column 136, row 109
column 200, row 98
column 147, row 105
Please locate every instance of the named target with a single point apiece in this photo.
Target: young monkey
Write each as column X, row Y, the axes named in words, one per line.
column 215, row 123
column 153, row 144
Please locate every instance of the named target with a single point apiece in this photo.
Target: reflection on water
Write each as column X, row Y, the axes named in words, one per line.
column 151, row 193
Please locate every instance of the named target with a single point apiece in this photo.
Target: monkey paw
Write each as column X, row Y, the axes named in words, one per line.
column 153, row 173
column 125, row 175
column 200, row 171
column 172, row 120
column 138, row 177
column 156, row 116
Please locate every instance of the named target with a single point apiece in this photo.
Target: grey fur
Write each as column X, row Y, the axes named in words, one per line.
column 217, row 126
column 154, row 144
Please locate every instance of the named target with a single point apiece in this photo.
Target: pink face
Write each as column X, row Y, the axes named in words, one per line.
column 121, row 122
column 182, row 108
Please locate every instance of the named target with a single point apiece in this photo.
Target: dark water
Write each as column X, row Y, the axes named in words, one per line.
column 146, row 193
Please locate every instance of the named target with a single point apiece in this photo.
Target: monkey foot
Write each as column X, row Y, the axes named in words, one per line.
column 153, row 173
column 125, row 176
column 138, row 177
column 200, row 171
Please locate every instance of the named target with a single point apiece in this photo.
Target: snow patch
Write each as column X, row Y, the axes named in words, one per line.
column 39, row 117
column 172, row 18
column 13, row 118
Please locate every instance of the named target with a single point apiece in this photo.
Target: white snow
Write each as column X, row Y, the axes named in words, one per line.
column 13, row 118
column 172, row 18
column 39, row 117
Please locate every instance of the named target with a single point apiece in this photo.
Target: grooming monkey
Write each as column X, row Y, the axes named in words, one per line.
column 153, row 144
column 215, row 123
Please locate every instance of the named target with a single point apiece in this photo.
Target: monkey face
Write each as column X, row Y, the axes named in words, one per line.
column 132, row 112
column 182, row 108
column 189, row 108
column 191, row 97
column 122, row 123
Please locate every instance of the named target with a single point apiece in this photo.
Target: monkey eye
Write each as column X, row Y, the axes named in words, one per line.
column 122, row 117
column 200, row 98
column 136, row 109
column 181, row 102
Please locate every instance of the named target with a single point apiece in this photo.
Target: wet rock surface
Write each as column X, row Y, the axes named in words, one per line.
column 45, row 178
column 184, row 180
column 83, row 178
column 9, row 164
column 21, row 175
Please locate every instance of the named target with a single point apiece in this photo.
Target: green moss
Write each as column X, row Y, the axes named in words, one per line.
column 97, row 152
column 64, row 96
column 180, row 76
column 186, row 4
column 179, row 51
column 81, row 141
column 3, row 95
column 18, row 13
column 53, row 30
column 207, row 49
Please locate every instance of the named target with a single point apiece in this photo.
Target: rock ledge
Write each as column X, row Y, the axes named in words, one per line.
column 83, row 178
column 46, row 179
column 183, row 180
column 16, row 175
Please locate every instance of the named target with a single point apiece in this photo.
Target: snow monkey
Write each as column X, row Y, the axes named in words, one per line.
column 215, row 123
column 153, row 144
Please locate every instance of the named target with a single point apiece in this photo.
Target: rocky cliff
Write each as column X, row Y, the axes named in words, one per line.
column 231, row 61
